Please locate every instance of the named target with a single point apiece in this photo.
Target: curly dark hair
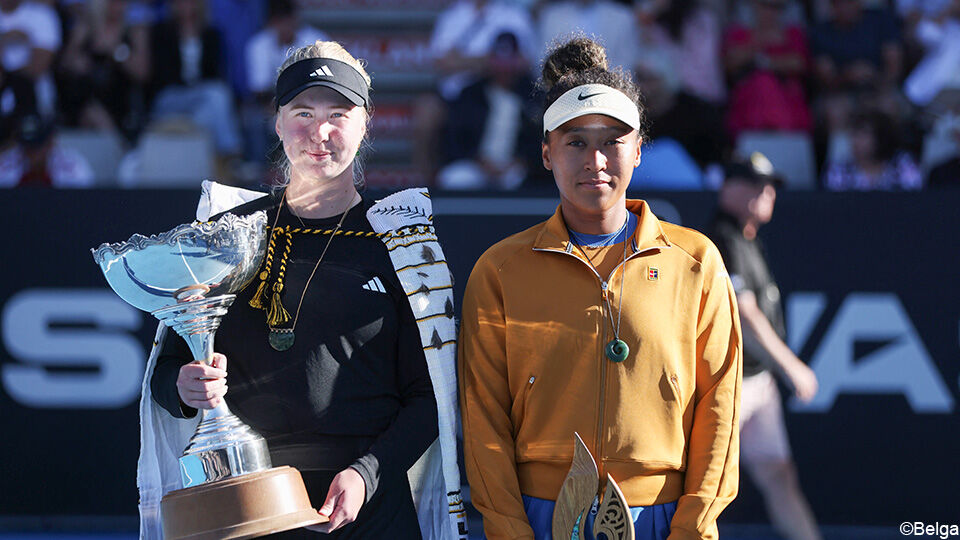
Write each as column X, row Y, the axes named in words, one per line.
column 581, row 60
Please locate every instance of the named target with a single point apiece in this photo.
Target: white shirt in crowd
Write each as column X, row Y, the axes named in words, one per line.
column 39, row 22
column 472, row 31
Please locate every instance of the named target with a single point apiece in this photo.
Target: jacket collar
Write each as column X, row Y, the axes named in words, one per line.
column 648, row 235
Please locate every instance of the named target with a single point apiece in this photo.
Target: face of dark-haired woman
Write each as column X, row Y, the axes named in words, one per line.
column 592, row 158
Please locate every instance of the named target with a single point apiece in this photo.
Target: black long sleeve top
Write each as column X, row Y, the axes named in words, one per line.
column 354, row 389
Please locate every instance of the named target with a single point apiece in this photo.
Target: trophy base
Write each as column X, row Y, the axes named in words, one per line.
column 246, row 506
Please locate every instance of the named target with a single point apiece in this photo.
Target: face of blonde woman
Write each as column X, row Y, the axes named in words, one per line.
column 321, row 133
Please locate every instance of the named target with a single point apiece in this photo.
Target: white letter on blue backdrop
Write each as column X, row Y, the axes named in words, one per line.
column 116, row 356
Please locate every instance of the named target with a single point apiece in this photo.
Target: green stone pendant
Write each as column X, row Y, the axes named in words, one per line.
column 617, row 350
column 282, row 339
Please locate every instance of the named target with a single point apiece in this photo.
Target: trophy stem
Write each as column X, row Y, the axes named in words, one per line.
column 222, row 446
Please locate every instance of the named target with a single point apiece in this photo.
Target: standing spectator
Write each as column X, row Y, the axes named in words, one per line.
column 103, row 69
column 876, row 161
column 462, row 36
column 266, row 50
column 766, row 64
column 35, row 160
column 489, row 137
column 30, row 35
column 188, row 75
column 747, row 200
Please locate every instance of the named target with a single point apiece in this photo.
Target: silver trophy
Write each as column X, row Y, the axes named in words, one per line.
column 185, row 277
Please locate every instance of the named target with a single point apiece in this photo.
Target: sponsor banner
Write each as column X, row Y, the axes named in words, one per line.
column 870, row 292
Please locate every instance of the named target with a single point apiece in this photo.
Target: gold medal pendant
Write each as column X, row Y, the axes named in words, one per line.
column 281, row 339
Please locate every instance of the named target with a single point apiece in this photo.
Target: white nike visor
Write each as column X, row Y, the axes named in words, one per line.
column 591, row 99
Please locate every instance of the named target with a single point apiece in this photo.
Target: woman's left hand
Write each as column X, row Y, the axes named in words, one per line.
column 344, row 499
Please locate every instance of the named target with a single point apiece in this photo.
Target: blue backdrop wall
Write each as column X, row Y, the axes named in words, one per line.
column 870, row 286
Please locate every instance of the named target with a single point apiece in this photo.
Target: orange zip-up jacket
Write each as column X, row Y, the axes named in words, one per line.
column 532, row 371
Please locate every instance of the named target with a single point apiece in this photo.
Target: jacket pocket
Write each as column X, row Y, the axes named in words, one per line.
column 649, row 422
column 518, row 411
column 675, row 385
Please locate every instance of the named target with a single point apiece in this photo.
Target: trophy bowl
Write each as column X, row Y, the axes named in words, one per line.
column 186, row 277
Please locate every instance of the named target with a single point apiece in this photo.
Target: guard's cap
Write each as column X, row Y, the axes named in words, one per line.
column 755, row 170
column 333, row 74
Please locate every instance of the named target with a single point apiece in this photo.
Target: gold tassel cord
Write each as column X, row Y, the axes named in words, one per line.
column 277, row 315
column 260, row 297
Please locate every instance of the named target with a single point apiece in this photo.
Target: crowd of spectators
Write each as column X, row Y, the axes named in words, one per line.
column 123, row 68
column 869, row 90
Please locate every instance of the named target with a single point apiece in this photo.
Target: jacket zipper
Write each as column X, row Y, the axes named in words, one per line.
column 603, row 365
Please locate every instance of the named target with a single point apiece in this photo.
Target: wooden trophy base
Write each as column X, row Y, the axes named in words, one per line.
column 246, row 506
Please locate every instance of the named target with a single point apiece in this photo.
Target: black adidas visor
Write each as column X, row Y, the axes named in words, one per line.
column 333, row 74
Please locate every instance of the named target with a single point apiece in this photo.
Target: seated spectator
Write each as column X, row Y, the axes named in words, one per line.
column 947, row 172
column 876, row 161
column 675, row 115
column 939, row 70
column 857, row 49
column 188, row 76
column 857, row 56
column 766, row 64
column 461, row 37
column 102, row 70
column 266, row 50
column 30, row 35
column 689, row 31
column 489, row 138
column 35, row 160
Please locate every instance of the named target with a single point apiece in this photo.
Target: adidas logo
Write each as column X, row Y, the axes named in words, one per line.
column 374, row 285
column 322, row 71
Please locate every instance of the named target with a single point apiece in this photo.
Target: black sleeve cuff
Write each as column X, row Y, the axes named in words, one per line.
column 369, row 468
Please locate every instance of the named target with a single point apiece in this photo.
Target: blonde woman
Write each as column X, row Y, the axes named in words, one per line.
column 323, row 351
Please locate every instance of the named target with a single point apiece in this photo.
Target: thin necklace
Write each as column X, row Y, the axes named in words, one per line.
column 282, row 339
column 616, row 349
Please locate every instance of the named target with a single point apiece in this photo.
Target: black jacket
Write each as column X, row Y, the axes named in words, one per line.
column 354, row 390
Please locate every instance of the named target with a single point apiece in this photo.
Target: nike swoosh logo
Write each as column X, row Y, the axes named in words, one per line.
column 582, row 97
